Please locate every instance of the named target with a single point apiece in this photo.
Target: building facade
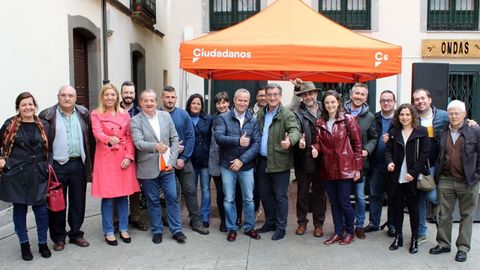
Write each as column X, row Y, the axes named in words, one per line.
column 85, row 43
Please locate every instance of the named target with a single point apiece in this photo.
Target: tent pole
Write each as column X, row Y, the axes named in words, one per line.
column 209, row 94
column 399, row 88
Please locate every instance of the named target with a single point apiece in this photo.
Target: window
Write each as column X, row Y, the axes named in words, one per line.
column 353, row 14
column 225, row 13
column 459, row 15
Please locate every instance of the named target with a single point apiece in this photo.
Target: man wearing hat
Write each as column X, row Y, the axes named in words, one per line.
column 307, row 114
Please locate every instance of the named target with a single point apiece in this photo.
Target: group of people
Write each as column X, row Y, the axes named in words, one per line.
column 160, row 149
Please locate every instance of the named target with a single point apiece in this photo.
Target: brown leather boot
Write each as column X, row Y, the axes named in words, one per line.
column 318, row 231
column 301, row 229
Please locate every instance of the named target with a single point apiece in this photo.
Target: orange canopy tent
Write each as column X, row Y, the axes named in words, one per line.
column 287, row 40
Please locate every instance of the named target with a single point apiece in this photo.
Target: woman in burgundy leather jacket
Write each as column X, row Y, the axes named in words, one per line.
column 338, row 145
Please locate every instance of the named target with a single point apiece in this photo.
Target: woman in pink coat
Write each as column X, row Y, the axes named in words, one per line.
column 113, row 170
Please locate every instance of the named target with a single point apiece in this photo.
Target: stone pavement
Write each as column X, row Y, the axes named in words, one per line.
column 214, row 252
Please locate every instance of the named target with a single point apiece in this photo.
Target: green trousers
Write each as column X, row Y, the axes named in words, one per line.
column 449, row 191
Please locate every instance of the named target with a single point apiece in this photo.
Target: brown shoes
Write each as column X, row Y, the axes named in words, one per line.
column 80, row 242
column 347, row 239
column 301, row 229
column 253, row 234
column 59, row 246
column 360, row 233
column 333, row 239
column 318, row 231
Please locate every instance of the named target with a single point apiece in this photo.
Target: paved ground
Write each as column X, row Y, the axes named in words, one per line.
column 214, row 252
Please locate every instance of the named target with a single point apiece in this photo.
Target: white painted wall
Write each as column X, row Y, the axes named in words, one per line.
column 34, row 48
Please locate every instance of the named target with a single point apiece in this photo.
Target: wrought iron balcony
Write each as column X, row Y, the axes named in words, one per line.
column 144, row 12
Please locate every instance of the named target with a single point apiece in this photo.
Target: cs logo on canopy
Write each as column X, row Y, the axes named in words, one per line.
column 380, row 58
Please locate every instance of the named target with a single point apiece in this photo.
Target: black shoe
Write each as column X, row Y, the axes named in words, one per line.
column 44, row 250
column 222, row 227
column 26, row 252
column 397, row 242
column 111, row 242
column 266, row 228
column 392, row 232
column 370, row 228
column 278, row 234
column 179, row 237
column 461, row 256
column 439, row 250
column 413, row 245
column 157, row 238
column 206, row 224
column 127, row 240
column 198, row 227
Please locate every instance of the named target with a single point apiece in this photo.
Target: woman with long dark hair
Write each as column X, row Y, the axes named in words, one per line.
column 407, row 151
column 202, row 124
column 338, row 145
column 24, row 172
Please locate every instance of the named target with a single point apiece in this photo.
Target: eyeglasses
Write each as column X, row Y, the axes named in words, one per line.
column 273, row 94
column 386, row 100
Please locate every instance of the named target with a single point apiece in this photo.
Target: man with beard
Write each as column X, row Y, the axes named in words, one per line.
column 307, row 114
column 183, row 166
column 434, row 120
column 358, row 107
column 127, row 91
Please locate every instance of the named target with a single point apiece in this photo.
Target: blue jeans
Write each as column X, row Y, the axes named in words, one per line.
column 342, row 211
column 107, row 214
column 423, row 196
column 273, row 189
column 151, row 189
column 360, row 203
column 376, row 184
column 20, row 221
column 229, row 180
column 205, row 208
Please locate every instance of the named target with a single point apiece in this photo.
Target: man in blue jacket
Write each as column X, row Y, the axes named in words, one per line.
column 238, row 136
column 184, row 168
column 434, row 120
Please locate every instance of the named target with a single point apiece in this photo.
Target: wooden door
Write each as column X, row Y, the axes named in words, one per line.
column 80, row 55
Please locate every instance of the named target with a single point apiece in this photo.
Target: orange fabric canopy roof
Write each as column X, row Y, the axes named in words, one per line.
column 287, row 40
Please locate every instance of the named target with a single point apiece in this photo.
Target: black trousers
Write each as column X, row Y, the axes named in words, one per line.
column 72, row 177
column 405, row 195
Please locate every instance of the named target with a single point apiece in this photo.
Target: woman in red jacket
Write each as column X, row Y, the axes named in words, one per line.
column 338, row 145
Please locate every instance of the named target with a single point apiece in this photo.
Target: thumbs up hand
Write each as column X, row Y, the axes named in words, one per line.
column 244, row 140
column 314, row 152
column 286, row 142
column 302, row 144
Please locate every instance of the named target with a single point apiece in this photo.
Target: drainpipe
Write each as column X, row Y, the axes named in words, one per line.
column 105, row 45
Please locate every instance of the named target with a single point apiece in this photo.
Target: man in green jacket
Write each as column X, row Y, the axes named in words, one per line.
column 279, row 134
column 358, row 107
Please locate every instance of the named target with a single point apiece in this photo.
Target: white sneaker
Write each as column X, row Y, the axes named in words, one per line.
column 422, row 239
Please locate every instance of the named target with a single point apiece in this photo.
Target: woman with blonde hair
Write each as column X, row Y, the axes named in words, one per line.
column 113, row 170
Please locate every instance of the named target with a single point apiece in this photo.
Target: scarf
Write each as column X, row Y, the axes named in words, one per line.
column 10, row 134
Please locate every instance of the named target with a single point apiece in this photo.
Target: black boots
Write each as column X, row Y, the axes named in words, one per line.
column 397, row 242
column 26, row 252
column 44, row 251
column 413, row 245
